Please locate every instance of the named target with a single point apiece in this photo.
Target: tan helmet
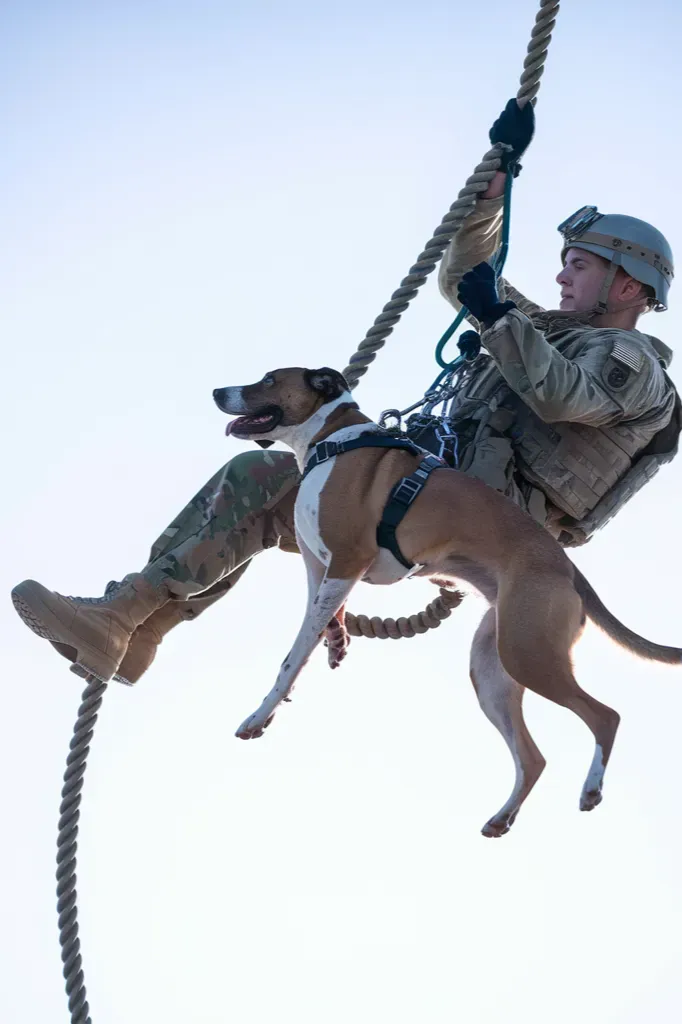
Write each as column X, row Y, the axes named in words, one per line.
column 637, row 247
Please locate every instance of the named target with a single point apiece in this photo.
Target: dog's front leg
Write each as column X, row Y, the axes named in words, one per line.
column 331, row 595
column 325, row 597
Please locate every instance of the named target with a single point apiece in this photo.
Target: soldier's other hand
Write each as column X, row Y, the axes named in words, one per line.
column 515, row 127
column 478, row 292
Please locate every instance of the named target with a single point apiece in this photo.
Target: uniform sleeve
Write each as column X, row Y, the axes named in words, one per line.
column 616, row 378
column 476, row 242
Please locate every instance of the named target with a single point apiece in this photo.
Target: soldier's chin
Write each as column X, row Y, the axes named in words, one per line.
column 567, row 305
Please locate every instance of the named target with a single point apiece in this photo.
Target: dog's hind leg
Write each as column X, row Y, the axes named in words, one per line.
column 323, row 605
column 538, row 621
column 500, row 698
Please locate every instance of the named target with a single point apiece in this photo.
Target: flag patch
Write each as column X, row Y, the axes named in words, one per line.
column 628, row 354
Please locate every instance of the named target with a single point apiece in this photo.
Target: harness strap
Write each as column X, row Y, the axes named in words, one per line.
column 404, row 492
column 399, row 500
column 325, row 450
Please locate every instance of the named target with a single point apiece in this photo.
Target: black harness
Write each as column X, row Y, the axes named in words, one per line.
column 404, row 492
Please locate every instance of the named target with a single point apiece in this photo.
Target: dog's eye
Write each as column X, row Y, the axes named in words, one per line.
column 268, row 380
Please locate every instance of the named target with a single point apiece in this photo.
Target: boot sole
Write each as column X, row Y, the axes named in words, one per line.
column 123, row 680
column 45, row 624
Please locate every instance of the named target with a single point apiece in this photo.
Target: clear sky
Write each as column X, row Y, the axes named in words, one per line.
column 193, row 194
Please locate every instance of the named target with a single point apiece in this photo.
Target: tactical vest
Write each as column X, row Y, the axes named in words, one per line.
column 586, row 473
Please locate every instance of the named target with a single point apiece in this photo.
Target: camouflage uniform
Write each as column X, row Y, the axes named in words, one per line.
column 551, row 415
column 558, row 406
column 247, row 507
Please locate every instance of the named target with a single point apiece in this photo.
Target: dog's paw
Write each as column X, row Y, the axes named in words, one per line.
column 254, row 726
column 498, row 826
column 337, row 641
column 590, row 798
column 336, row 655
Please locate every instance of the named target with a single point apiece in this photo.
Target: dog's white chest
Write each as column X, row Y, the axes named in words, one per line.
column 307, row 511
column 311, row 496
column 386, row 568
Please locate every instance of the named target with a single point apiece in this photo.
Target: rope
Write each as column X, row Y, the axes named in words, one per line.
column 375, row 339
column 383, row 629
column 498, row 266
column 432, row 616
column 69, row 812
column 529, row 86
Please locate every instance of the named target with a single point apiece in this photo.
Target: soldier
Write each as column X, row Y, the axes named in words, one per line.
column 566, row 411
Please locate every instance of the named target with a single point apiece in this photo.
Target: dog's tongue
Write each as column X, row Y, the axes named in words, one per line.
column 247, row 421
column 235, row 423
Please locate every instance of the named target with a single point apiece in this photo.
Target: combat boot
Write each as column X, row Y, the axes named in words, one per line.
column 147, row 637
column 243, row 510
column 142, row 646
column 97, row 630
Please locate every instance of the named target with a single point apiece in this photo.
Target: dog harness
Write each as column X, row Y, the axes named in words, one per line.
column 401, row 496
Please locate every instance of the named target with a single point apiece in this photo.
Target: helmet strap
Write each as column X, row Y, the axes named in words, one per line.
column 602, row 303
column 602, row 307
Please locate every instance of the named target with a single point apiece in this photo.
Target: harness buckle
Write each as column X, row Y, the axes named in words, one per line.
column 433, row 462
column 327, row 450
column 407, row 490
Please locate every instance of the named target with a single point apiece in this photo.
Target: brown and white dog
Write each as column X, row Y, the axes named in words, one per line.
column 458, row 529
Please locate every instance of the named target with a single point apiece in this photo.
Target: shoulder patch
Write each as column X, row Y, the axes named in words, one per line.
column 617, row 377
column 629, row 354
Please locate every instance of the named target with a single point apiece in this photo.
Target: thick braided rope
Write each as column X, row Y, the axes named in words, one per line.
column 375, row 339
column 67, row 841
column 529, row 86
column 396, row 629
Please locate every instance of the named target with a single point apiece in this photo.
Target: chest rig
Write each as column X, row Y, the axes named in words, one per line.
column 585, row 473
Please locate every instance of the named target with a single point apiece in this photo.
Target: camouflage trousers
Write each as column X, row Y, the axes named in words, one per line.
column 247, row 507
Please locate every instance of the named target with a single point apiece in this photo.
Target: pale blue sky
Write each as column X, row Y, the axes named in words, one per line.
column 194, row 194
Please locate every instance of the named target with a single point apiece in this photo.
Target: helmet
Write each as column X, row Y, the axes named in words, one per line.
column 632, row 244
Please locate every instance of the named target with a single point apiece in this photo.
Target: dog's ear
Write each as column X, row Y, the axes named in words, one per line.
column 265, row 444
column 327, row 382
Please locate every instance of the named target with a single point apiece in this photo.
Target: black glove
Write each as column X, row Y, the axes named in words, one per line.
column 478, row 292
column 469, row 345
column 515, row 126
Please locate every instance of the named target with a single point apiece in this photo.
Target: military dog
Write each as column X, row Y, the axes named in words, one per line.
column 458, row 528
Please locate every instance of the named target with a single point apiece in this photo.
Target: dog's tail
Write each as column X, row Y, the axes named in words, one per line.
column 602, row 617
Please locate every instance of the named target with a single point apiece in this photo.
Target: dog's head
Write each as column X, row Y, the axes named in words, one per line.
column 283, row 399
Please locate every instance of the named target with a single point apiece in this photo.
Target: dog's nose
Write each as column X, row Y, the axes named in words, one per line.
column 218, row 396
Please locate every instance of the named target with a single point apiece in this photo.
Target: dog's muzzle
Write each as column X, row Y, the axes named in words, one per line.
column 248, row 423
column 229, row 400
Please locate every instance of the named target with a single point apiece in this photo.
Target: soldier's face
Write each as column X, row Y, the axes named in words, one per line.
column 581, row 279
